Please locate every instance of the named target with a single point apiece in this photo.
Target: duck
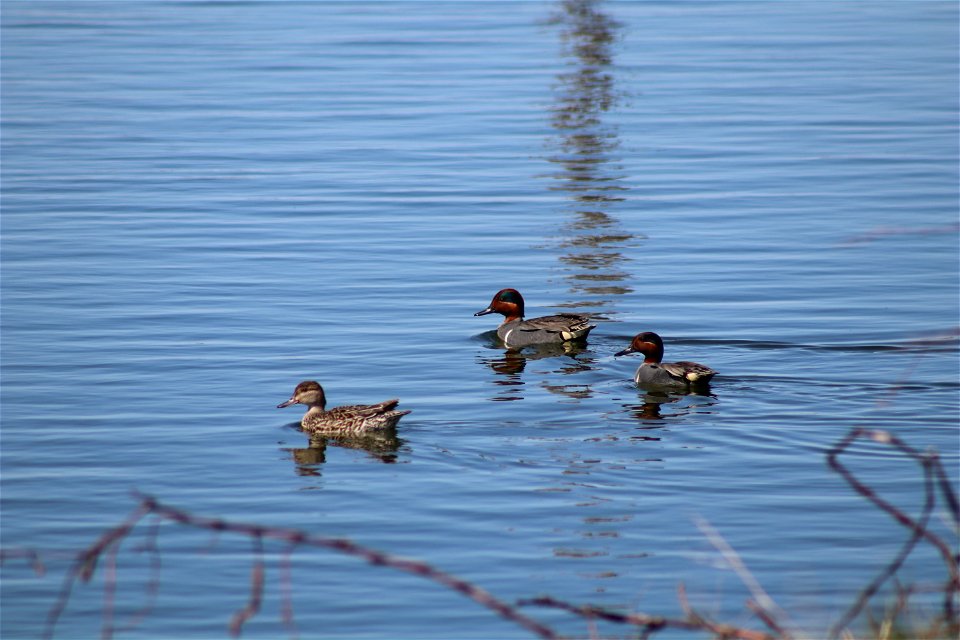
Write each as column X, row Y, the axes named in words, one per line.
column 346, row 420
column 654, row 372
column 514, row 331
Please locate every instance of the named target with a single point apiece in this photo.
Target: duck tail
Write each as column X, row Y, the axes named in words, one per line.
column 387, row 405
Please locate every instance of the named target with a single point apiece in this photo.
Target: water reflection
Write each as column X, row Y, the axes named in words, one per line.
column 509, row 364
column 585, row 155
column 652, row 404
column 382, row 446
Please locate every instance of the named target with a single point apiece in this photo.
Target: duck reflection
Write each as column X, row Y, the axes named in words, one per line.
column 588, row 168
column 653, row 402
column 381, row 445
column 509, row 364
column 649, row 408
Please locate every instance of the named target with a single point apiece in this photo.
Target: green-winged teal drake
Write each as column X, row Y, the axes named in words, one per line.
column 517, row 332
column 654, row 372
column 349, row 419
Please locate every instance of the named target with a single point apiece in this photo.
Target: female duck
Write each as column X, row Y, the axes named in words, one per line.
column 517, row 332
column 346, row 420
column 653, row 372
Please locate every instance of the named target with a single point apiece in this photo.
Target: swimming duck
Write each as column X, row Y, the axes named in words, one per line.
column 517, row 332
column 350, row 419
column 655, row 372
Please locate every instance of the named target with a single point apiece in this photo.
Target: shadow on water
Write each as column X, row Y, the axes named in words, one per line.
column 584, row 154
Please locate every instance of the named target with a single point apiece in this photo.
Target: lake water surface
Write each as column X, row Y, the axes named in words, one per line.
column 206, row 202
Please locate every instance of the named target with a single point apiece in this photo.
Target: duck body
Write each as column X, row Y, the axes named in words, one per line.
column 346, row 420
column 516, row 332
column 655, row 372
column 681, row 373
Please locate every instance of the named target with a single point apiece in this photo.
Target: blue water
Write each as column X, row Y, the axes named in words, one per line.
column 206, row 202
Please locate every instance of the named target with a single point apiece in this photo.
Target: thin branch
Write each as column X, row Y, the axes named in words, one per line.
column 918, row 528
column 107, row 548
column 85, row 564
column 86, row 561
column 153, row 583
column 648, row 623
column 884, row 437
column 771, row 623
column 110, row 589
column 761, row 599
column 946, row 489
column 256, row 591
column 874, row 586
column 32, row 557
column 286, row 588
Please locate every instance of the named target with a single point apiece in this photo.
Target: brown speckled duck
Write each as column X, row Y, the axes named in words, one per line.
column 653, row 372
column 517, row 332
column 349, row 419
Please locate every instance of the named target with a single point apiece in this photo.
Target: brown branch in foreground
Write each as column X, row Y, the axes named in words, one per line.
column 286, row 588
column 256, row 591
column 153, row 583
column 84, row 567
column 768, row 620
column 891, row 569
column 110, row 589
column 946, row 489
column 932, row 470
column 107, row 546
column 648, row 623
column 762, row 604
column 86, row 563
column 31, row 556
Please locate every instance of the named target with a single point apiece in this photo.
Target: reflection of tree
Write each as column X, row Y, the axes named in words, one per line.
column 588, row 168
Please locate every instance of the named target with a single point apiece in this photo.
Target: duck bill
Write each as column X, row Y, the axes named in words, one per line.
column 624, row 352
column 484, row 312
column 286, row 404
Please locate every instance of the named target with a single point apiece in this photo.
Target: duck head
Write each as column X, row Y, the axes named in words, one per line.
column 648, row 343
column 507, row 302
column 307, row 392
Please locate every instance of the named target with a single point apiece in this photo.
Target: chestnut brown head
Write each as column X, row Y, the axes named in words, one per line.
column 648, row 343
column 508, row 303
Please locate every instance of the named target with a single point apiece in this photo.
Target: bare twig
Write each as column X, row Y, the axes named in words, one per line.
column 946, row 489
column 286, row 588
column 648, row 623
column 918, row 527
column 107, row 546
column 762, row 601
column 765, row 617
column 884, row 437
column 153, row 583
column 86, row 561
column 890, row 570
column 110, row 588
column 256, row 590
column 32, row 557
